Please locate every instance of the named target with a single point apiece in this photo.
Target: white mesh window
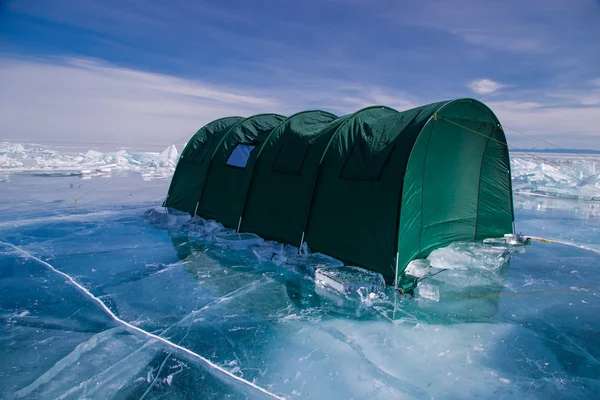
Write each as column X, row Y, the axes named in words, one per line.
column 240, row 155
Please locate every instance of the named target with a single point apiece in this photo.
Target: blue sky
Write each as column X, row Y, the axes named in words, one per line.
column 155, row 71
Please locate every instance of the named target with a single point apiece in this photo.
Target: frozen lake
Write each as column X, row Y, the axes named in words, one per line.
column 527, row 328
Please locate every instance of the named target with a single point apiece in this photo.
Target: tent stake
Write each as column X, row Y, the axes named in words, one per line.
column 396, row 275
column 239, row 225
column 196, row 209
column 301, row 241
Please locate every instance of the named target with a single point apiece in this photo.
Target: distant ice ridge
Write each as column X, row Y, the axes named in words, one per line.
column 557, row 175
column 22, row 159
column 552, row 175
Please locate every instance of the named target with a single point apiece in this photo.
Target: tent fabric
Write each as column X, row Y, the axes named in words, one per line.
column 188, row 179
column 377, row 188
column 277, row 202
column 457, row 185
column 224, row 191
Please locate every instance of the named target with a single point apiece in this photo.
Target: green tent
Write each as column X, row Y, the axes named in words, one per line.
column 230, row 170
column 288, row 163
column 190, row 174
column 377, row 188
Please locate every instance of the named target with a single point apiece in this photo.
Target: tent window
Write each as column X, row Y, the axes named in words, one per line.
column 291, row 156
column 367, row 160
column 240, row 155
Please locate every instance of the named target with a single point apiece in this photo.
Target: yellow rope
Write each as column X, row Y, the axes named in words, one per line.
column 547, row 142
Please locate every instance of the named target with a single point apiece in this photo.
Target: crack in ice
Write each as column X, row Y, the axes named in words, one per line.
column 26, row 254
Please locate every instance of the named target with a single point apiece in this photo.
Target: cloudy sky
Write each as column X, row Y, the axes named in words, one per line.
column 153, row 71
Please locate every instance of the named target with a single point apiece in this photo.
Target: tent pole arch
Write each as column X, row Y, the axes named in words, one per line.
column 399, row 210
column 316, row 180
column 211, row 161
column 270, row 137
column 228, row 139
column 496, row 160
column 205, row 138
column 220, row 144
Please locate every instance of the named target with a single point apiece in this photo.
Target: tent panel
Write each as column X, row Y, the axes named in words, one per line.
column 279, row 194
column 450, row 178
column 495, row 214
column 189, row 177
column 223, row 195
column 349, row 215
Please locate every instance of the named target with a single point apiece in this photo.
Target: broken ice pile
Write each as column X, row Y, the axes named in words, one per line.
column 350, row 280
column 20, row 159
column 559, row 175
column 464, row 267
column 162, row 218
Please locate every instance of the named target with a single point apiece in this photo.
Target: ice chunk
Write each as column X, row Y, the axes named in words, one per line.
column 418, row 268
column 348, row 279
column 308, row 263
column 202, row 230
column 366, row 297
column 470, row 255
column 169, row 155
column 166, row 218
column 428, row 291
column 509, row 238
column 238, row 241
column 270, row 251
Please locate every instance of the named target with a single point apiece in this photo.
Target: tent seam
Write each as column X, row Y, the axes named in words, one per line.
column 479, row 183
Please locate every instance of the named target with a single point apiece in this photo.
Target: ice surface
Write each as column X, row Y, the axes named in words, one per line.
column 349, row 279
column 523, row 326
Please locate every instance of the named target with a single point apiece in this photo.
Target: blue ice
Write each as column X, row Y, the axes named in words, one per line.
column 507, row 321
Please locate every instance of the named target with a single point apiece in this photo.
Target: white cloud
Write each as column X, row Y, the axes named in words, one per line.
column 565, row 126
column 82, row 100
column 484, row 86
column 595, row 82
column 86, row 100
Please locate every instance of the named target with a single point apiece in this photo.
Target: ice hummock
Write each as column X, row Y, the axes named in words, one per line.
column 36, row 160
column 552, row 175
column 557, row 175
